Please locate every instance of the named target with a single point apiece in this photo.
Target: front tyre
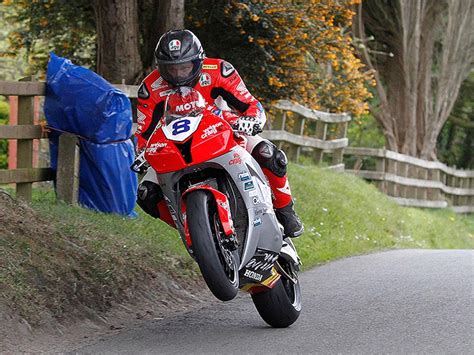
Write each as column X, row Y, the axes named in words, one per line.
column 280, row 306
column 218, row 265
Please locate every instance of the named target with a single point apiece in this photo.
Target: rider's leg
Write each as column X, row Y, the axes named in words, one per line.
column 274, row 163
column 150, row 198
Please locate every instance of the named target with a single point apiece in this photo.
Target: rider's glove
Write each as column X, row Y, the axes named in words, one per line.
column 248, row 125
column 140, row 165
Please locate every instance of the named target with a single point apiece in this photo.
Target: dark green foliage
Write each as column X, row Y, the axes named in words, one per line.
column 456, row 141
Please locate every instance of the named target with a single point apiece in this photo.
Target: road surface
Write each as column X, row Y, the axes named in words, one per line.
column 404, row 301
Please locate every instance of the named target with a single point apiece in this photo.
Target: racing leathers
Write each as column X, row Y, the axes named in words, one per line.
column 221, row 86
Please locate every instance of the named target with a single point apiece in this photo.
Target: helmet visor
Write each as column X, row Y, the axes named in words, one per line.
column 180, row 74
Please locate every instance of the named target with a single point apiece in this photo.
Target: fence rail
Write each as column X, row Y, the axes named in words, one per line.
column 415, row 182
column 304, row 129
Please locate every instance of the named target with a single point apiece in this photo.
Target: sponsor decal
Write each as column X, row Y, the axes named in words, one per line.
column 285, row 189
column 187, row 106
column 260, row 211
column 140, row 117
column 217, row 112
column 249, row 185
column 236, row 160
column 253, row 275
column 242, row 89
column 262, row 261
column 209, row 66
column 253, row 193
column 158, row 84
column 174, row 45
column 255, row 200
column 257, row 222
column 166, row 93
column 266, row 151
column 244, row 176
column 211, row 130
column 227, row 69
column 143, row 92
column 156, row 147
column 205, row 79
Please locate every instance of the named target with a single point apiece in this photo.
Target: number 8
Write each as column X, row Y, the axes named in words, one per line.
column 181, row 126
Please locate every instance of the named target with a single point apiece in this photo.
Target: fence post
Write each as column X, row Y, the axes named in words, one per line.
column 279, row 123
column 298, row 126
column 321, row 131
column 67, row 175
column 380, row 166
column 25, row 146
column 338, row 154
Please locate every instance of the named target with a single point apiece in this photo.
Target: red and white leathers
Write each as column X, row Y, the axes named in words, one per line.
column 221, row 86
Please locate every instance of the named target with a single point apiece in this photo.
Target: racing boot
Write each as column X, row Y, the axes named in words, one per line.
column 292, row 225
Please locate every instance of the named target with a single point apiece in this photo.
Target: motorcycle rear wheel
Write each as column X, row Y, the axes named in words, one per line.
column 280, row 306
column 219, row 266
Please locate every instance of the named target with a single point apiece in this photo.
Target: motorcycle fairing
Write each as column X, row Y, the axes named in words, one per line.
column 263, row 228
column 166, row 155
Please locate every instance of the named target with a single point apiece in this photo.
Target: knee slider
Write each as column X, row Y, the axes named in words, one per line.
column 270, row 157
column 148, row 196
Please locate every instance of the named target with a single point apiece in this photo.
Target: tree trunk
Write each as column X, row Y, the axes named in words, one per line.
column 421, row 54
column 157, row 17
column 118, row 56
column 171, row 14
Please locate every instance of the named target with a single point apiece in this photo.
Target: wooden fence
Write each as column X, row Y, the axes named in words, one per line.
column 303, row 130
column 67, row 176
column 415, row 182
column 409, row 181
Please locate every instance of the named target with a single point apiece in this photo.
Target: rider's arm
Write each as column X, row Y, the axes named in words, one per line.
column 148, row 115
column 233, row 90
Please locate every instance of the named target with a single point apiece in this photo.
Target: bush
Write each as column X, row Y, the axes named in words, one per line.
column 4, row 112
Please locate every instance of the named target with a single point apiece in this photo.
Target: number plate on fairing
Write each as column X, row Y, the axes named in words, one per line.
column 182, row 128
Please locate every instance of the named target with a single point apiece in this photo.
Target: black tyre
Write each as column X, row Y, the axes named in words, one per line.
column 219, row 266
column 280, row 306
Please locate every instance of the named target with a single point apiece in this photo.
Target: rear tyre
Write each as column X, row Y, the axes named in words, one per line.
column 219, row 265
column 280, row 306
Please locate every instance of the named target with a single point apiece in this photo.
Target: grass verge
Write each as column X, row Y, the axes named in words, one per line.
column 56, row 259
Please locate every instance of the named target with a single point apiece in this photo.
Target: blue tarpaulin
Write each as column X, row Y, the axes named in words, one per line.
column 81, row 102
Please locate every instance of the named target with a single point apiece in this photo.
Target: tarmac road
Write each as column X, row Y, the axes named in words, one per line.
column 405, row 301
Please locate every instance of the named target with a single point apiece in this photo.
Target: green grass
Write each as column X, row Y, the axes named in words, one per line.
column 61, row 257
column 345, row 216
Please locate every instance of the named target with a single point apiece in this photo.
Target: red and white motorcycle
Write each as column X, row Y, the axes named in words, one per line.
column 221, row 205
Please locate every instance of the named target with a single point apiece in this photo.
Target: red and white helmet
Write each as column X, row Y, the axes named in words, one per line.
column 184, row 101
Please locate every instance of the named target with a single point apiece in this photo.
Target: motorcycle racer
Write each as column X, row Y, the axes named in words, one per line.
column 181, row 61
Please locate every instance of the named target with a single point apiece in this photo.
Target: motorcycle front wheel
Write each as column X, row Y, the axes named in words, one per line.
column 219, row 265
column 280, row 306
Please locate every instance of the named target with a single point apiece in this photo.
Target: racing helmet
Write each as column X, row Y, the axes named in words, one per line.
column 184, row 101
column 179, row 56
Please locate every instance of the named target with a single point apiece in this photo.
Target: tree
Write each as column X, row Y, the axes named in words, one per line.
column 301, row 50
column 118, row 56
column 38, row 27
column 422, row 51
column 157, row 17
column 116, row 38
